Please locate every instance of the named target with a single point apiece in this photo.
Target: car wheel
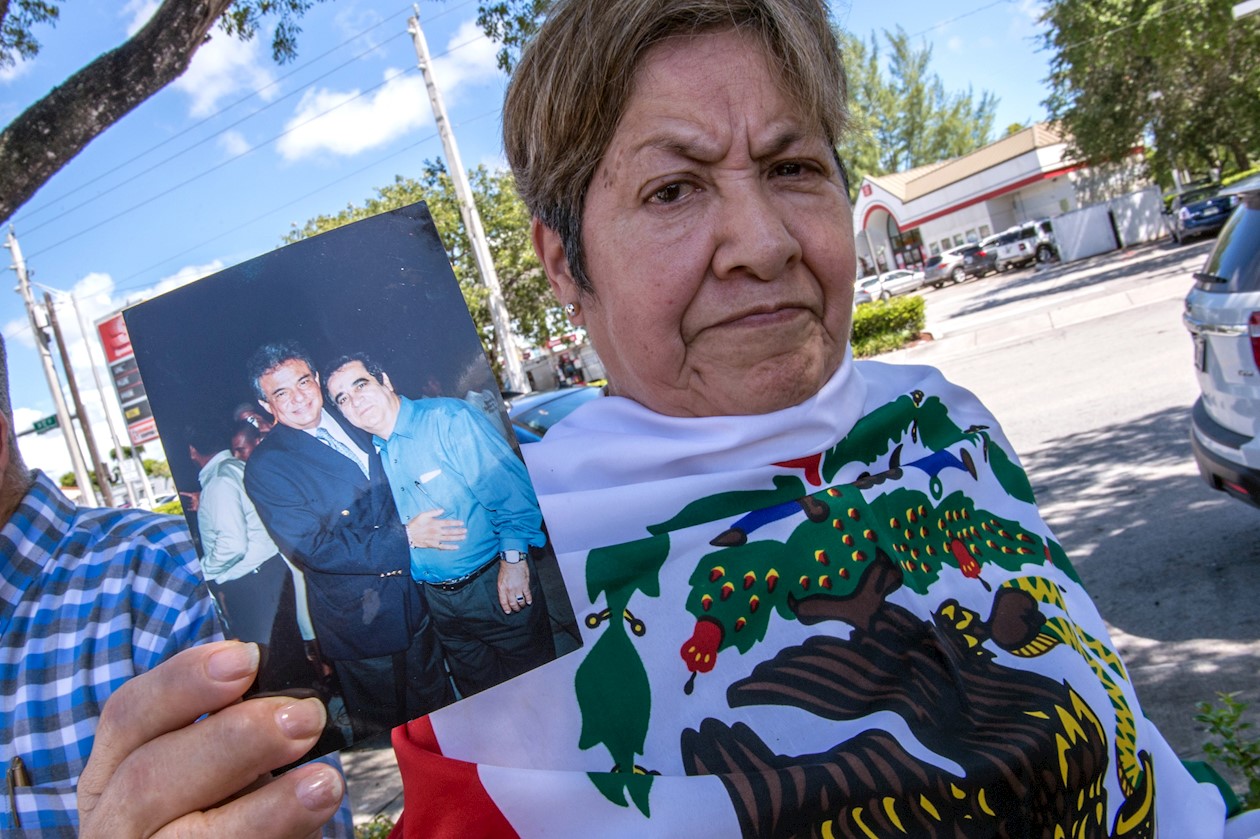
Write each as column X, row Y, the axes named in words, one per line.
column 958, row 275
column 1001, row 267
column 937, row 284
column 1045, row 253
column 885, row 295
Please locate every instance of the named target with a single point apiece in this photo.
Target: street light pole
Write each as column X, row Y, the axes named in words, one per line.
column 512, row 367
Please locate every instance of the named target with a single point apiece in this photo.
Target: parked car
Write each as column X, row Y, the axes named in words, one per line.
column 978, row 261
column 534, row 413
column 944, row 267
column 1223, row 316
column 1199, row 212
column 887, row 284
column 1023, row 244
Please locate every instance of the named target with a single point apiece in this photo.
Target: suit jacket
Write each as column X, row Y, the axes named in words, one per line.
column 342, row 529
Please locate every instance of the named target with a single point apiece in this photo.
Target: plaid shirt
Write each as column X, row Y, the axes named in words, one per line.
column 88, row 599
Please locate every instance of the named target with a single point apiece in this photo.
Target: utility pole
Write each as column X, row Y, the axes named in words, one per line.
column 50, row 372
column 516, row 379
column 102, row 473
column 100, row 390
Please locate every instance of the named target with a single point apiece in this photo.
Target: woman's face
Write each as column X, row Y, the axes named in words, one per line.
column 718, row 238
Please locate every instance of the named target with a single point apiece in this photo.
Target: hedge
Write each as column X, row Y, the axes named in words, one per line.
column 886, row 325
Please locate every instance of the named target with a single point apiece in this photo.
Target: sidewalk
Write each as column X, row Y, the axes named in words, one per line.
column 373, row 780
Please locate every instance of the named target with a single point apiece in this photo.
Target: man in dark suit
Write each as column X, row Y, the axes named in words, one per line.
column 320, row 490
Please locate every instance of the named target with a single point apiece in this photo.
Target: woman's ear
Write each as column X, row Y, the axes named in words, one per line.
column 550, row 250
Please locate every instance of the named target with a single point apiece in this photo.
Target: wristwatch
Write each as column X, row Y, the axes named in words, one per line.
column 511, row 557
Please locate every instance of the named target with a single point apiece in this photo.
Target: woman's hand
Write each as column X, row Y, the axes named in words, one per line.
column 155, row 770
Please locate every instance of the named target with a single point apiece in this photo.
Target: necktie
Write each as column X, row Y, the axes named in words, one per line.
column 340, row 448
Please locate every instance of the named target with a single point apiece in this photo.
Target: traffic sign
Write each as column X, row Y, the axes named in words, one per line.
column 45, row 424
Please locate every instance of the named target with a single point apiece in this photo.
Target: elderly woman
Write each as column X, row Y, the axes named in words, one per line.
column 817, row 596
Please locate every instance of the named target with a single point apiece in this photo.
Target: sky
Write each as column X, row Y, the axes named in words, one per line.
column 217, row 167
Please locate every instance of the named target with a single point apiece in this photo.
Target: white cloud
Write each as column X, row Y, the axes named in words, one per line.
column 19, row 68
column 339, row 123
column 954, row 44
column 361, row 24
column 226, row 68
column 234, row 143
column 138, row 13
column 402, row 104
column 469, row 60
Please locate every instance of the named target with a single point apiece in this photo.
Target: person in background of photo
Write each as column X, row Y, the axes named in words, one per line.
column 246, row 573
column 320, row 490
column 245, row 438
column 250, row 413
column 447, row 463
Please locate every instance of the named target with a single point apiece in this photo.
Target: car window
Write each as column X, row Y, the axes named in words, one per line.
column 1029, row 232
column 1197, row 195
column 1236, row 258
column 934, row 260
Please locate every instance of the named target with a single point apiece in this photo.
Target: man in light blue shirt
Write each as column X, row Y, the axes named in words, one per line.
column 471, row 518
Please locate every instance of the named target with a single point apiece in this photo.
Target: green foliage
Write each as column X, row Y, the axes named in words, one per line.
column 16, row 40
column 156, row 468
column 1239, row 176
column 534, row 312
column 1232, row 743
column 904, row 117
column 378, row 828
column 886, row 325
column 170, row 508
column 68, row 480
column 244, row 18
column 1185, row 72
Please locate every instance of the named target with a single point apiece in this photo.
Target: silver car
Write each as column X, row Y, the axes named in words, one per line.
column 1223, row 316
column 887, row 284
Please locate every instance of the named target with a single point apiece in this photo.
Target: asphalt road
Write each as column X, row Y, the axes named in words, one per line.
column 1097, row 405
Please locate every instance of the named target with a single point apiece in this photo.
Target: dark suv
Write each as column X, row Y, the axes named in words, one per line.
column 1223, row 316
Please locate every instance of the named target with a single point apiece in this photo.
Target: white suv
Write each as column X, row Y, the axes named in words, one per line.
column 1032, row 241
column 1223, row 316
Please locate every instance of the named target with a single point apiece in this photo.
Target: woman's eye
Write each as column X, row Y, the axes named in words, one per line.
column 670, row 193
column 788, row 169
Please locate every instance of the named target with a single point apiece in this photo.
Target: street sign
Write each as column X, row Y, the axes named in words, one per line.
column 45, row 424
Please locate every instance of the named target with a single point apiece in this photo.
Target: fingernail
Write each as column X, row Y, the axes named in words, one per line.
column 303, row 718
column 233, row 662
column 320, row 789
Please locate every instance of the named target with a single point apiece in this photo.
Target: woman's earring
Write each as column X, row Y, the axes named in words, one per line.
column 571, row 310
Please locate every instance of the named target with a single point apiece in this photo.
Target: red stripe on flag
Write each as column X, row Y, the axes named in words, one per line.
column 442, row 798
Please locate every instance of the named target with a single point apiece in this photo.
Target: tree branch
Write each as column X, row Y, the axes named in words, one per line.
column 56, row 128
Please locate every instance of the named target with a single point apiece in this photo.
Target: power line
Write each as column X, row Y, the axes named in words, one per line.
column 233, row 158
column 976, row 11
column 251, row 95
column 200, row 142
column 126, row 282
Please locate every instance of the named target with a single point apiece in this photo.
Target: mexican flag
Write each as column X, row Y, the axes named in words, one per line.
column 846, row 618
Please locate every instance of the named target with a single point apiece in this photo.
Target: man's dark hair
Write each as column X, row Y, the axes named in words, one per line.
column 270, row 356
column 247, row 428
column 208, row 438
column 374, row 369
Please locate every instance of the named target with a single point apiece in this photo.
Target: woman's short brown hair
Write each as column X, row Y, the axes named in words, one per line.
column 572, row 84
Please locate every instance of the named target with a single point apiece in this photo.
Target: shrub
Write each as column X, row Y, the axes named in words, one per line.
column 886, row 324
column 170, row 508
column 378, row 828
column 1232, row 744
